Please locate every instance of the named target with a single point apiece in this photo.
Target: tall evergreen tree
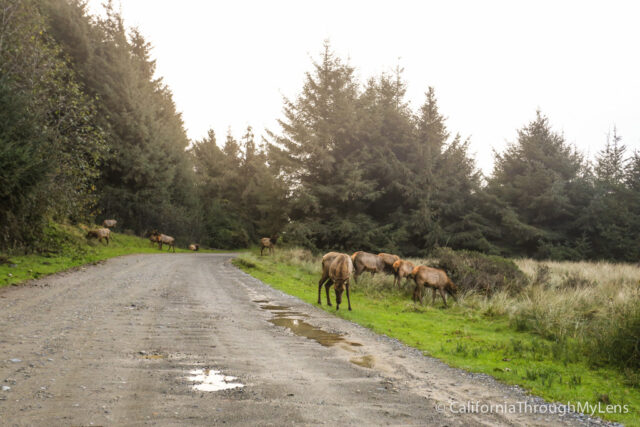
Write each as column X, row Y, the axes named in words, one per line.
column 317, row 155
column 541, row 178
column 607, row 221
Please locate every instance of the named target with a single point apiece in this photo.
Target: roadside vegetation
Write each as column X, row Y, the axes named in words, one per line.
column 64, row 247
column 565, row 331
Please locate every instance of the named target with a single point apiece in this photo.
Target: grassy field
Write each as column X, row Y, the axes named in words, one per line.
column 65, row 247
column 535, row 339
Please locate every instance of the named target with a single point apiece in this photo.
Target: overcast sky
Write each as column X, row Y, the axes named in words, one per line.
column 492, row 63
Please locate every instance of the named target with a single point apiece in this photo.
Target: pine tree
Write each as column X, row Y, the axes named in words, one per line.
column 317, row 156
column 541, row 178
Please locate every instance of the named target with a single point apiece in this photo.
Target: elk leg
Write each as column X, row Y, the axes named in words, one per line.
column 261, row 249
column 327, row 286
column 444, row 297
column 433, row 297
column 320, row 283
column 348, row 297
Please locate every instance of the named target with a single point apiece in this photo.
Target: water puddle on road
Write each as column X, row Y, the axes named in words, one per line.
column 212, row 380
column 292, row 320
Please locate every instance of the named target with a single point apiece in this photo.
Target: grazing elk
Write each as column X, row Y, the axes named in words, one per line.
column 435, row 279
column 269, row 243
column 327, row 259
column 194, row 247
column 109, row 223
column 402, row 270
column 388, row 259
column 340, row 271
column 100, row 233
column 364, row 261
column 163, row 239
column 153, row 237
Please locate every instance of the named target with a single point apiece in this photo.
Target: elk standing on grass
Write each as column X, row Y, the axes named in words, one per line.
column 163, row 239
column 388, row 259
column 364, row 261
column 100, row 233
column 194, row 247
column 336, row 270
column 402, row 270
column 435, row 279
column 327, row 259
column 268, row 242
column 109, row 223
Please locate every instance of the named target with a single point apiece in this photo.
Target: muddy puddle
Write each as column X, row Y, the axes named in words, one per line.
column 212, row 380
column 293, row 320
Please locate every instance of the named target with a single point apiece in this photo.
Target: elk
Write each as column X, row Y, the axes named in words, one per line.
column 269, row 243
column 153, row 237
column 435, row 279
column 401, row 270
column 109, row 223
column 340, row 270
column 327, row 259
column 194, row 247
column 388, row 259
column 163, row 239
column 100, row 233
column 364, row 261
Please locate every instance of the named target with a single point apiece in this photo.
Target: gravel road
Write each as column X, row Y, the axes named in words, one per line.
column 188, row 339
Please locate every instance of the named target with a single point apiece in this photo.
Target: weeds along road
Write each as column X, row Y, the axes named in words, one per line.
column 149, row 339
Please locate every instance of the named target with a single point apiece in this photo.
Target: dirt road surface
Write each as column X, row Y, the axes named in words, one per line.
column 157, row 339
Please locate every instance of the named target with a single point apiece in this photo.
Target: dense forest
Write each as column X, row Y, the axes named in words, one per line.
column 87, row 132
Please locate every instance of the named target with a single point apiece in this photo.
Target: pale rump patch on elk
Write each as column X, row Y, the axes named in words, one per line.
column 100, row 233
column 402, row 270
column 365, row 261
column 269, row 243
column 194, row 247
column 435, row 279
column 109, row 223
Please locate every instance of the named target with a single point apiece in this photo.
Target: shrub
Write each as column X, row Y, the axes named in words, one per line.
column 486, row 274
column 614, row 337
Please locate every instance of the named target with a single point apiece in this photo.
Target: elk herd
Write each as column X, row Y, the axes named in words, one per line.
column 155, row 237
column 337, row 269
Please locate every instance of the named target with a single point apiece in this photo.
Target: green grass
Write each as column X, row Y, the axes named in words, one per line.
column 462, row 337
column 66, row 247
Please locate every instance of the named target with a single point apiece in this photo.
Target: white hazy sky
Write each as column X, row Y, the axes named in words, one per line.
column 492, row 63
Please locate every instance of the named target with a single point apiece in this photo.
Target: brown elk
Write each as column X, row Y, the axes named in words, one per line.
column 364, row 261
column 269, row 243
column 402, row 270
column 153, row 237
column 100, row 233
column 194, row 247
column 163, row 239
column 388, row 259
column 327, row 259
column 109, row 223
column 340, row 272
column 435, row 279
